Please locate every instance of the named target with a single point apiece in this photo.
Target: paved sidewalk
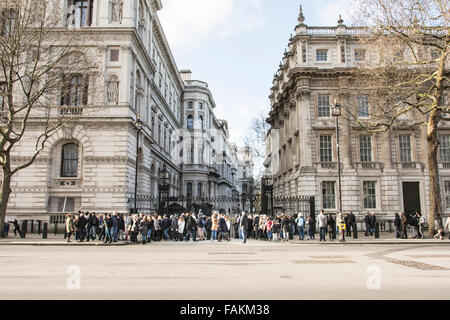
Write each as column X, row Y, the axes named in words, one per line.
column 58, row 240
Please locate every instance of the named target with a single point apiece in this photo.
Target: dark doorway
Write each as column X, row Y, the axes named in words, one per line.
column 411, row 197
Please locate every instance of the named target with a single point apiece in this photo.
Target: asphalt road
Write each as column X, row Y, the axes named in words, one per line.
column 207, row 270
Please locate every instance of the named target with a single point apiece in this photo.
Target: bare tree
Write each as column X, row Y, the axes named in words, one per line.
column 43, row 79
column 405, row 72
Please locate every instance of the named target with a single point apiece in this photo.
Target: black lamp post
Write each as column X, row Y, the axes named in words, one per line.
column 164, row 188
column 267, row 193
column 138, row 123
column 337, row 112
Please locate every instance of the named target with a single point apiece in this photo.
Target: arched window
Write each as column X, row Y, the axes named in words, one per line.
column 189, row 189
column 69, row 160
column 190, row 122
column 200, row 120
column 79, row 13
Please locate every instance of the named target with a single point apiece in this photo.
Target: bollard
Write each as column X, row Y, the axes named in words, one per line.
column 24, row 229
column 44, row 230
column 355, row 231
column 377, row 231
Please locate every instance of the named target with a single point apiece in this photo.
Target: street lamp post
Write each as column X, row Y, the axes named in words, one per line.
column 337, row 112
column 164, row 188
column 138, row 123
column 267, row 191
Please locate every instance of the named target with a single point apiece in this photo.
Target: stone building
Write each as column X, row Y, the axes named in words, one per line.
column 382, row 173
column 91, row 165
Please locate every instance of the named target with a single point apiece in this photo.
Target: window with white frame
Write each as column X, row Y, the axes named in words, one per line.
column 190, row 105
column 370, row 194
column 405, row 148
column 79, row 13
column 444, row 146
column 329, row 195
column 321, row 55
column 365, row 148
column 326, row 149
column 324, row 109
column 363, row 106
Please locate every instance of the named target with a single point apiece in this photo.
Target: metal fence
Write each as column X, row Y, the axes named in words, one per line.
column 295, row 205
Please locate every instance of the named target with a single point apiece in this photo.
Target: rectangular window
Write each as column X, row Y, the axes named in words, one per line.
column 365, row 148
column 114, row 55
column 370, row 195
column 328, row 195
column 79, row 13
column 321, row 55
column 444, row 146
column 74, row 90
column 326, row 149
column 190, row 105
column 405, row 148
column 363, row 106
column 447, row 193
column 360, row 54
column 200, row 105
column 324, row 106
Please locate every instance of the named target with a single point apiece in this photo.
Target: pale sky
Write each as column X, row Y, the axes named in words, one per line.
column 237, row 45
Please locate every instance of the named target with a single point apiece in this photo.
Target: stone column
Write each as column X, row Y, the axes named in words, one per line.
column 386, row 150
column 346, row 143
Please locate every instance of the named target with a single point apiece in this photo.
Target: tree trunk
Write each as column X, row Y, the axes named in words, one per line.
column 5, row 192
column 433, row 170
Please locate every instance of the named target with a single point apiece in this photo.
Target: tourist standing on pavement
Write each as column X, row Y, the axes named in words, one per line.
column 404, row 225
column 214, row 226
column 70, row 228
column 181, row 226
column 310, row 223
column 268, row 228
column 224, row 231
column 191, row 227
column 397, row 226
column 244, row 226
column 300, row 221
column 128, row 225
column 286, row 225
column 331, row 227
column 121, row 228
column 351, row 223
column 367, row 223
column 208, row 226
column 447, row 227
column 421, row 225
column 322, row 225
column 108, row 224
column 143, row 229
column 275, row 230
column 373, row 221
column 438, row 227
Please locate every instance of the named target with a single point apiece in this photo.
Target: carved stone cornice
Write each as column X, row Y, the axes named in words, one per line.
column 303, row 94
column 94, row 159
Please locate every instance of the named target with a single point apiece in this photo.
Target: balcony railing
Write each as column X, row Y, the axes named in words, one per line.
column 327, row 165
column 444, row 165
column 370, row 165
column 71, row 111
column 410, row 165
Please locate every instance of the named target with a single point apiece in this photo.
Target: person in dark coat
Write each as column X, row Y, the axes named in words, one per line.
column 89, row 225
column 208, row 226
column 250, row 228
column 82, row 227
column 351, row 221
column 331, row 225
column 373, row 221
column 367, row 223
column 243, row 224
column 397, row 226
column 191, row 227
column 121, row 228
column 286, row 226
column 16, row 228
column 256, row 227
column 223, row 229
column 404, row 225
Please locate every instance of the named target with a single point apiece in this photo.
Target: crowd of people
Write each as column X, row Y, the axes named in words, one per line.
column 142, row 228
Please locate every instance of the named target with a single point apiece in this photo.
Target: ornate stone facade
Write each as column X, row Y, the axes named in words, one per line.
column 91, row 165
column 382, row 173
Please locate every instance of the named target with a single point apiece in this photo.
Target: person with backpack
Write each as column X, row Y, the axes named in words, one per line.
column 300, row 221
column 223, row 229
